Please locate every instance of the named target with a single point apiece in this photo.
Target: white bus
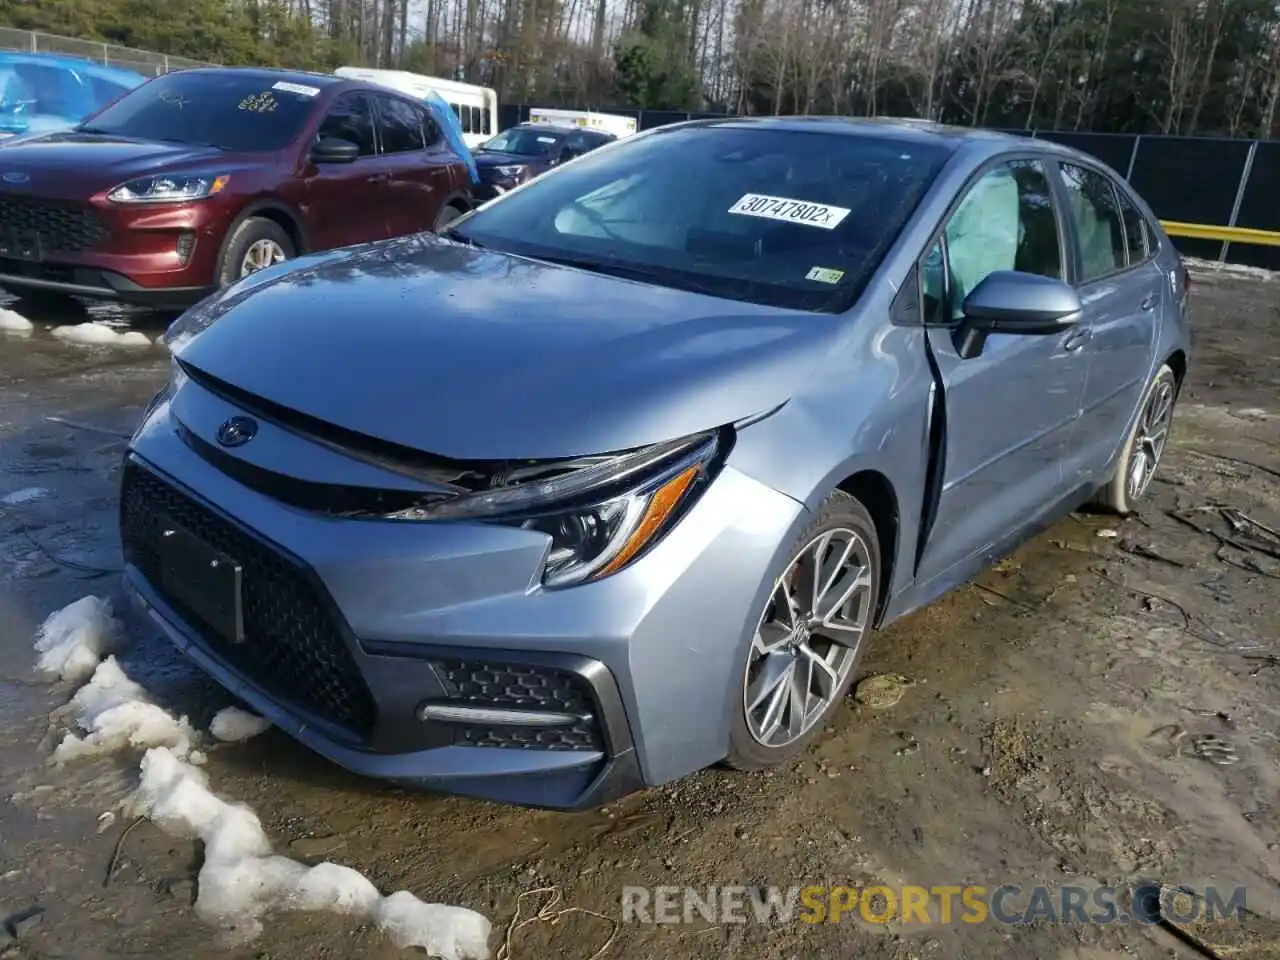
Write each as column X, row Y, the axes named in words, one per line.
column 476, row 107
column 619, row 126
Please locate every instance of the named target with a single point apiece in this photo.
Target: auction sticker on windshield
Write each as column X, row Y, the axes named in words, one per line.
column 299, row 88
column 789, row 211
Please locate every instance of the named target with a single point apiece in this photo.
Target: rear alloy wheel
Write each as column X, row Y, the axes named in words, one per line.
column 256, row 244
column 1144, row 446
column 809, row 637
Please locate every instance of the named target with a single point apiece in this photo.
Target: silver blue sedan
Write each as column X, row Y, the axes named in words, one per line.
column 618, row 478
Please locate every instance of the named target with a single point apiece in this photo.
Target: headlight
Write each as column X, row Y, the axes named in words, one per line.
column 176, row 189
column 508, row 172
column 601, row 516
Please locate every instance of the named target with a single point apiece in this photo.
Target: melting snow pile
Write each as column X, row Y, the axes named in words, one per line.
column 231, row 725
column 114, row 712
column 241, row 880
column 13, row 322
column 73, row 641
column 100, row 333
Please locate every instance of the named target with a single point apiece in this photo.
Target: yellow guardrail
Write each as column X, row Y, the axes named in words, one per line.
column 1202, row 231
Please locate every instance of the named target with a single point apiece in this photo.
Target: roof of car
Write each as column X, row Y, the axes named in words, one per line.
column 9, row 57
column 557, row 127
column 277, row 73
column 904, row 128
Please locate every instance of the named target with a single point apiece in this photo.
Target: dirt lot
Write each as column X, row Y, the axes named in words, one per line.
column 1060, row 727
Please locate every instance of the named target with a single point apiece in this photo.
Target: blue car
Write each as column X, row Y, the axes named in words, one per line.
column 619, row 477
column 41, row 93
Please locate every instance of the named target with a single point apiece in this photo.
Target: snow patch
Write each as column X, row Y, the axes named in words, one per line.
column 13, row 322
column 1230, row 269
column 99, row 333
column 25, row 495
column 72, row 641
column 241, row 880
column 115, row 712
column 231, row 725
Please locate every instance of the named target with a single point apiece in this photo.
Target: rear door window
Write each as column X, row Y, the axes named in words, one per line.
column 400, row 125
column 1092, row 201
column 351, row 118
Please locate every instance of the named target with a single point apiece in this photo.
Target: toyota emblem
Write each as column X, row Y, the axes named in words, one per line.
column 237, row 431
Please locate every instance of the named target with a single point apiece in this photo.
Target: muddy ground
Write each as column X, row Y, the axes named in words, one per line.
column 1061, row 727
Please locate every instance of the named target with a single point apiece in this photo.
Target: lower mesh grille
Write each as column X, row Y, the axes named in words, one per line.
column 522, row 685
column 292, row 648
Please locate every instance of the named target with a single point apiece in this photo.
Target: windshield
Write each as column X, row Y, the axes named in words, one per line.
column 236, row 112
column 791, row 219
column 525, row 141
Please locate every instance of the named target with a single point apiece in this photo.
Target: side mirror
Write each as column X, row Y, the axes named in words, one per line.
column 567, row 154
column 1008, row 301
column 334, row 150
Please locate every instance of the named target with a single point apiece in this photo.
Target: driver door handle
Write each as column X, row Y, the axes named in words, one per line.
column 1149, row 302
column 1076, row 339
column 380, row 178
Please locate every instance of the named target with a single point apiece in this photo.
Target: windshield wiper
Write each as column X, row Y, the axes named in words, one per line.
column 658, row 276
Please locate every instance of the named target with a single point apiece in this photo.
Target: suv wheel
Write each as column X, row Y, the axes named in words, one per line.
column 256, row 244
column 1143, row 447
column 448, row 213
column 809, row 638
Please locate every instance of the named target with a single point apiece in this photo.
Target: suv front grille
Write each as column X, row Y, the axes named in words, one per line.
column 62, row 227
column 521, row 685
column 292, row 648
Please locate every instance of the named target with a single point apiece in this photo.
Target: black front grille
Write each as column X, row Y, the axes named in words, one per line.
column 292, row 648
column 522, row 685
column 62, row 227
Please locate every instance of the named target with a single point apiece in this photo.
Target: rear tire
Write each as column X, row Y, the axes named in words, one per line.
column 448, row 213
column 1143, row 447
column 257, row 243
column 815, row 649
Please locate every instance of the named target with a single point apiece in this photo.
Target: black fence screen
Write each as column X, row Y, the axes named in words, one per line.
column 1200, row 180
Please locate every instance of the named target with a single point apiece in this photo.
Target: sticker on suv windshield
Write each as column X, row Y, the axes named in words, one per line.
column 288, row 87
column 263, row 102
column 824, row 275
column 546, row 139
column 789, row 211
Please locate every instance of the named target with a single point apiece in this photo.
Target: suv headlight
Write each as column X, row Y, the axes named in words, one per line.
column 601, row 514
column 508, row 172
column 168, row 189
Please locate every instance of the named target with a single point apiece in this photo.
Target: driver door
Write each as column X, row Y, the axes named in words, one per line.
column 348, row 203
column 1013, row 410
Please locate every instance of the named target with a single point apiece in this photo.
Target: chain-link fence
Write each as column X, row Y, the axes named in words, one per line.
column 142, row 61
column 1214, row 181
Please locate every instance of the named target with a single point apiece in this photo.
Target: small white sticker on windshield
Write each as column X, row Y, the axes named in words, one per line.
column 288, row 87
column 546, row 139
column 824, row 275
column 790, row 211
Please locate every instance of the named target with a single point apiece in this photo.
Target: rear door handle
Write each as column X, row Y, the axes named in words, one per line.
column 380, row 178
column 1077, row 338
column 1149, row 302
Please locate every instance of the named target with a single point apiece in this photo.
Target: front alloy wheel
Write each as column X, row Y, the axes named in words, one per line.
column 810, row 636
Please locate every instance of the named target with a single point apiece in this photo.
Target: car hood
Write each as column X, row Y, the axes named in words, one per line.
column 56, row 160
column 498, row 159
column 476, row 355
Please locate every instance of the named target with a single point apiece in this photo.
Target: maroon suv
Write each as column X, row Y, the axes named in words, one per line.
column 197, row 178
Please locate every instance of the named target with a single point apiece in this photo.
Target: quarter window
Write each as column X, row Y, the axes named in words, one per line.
column 1137, row 238
column 1091, row 198
column 1007, row 221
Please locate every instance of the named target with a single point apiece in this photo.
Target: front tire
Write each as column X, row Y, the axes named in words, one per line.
column 448, row 214
column 809, row 639
column 1143, row 447
column 257, row 243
